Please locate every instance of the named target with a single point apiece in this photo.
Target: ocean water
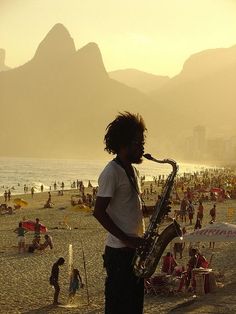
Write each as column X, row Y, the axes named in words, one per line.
column 16, row 172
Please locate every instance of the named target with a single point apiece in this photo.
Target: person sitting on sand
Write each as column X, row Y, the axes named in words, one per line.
column 49, row 204
column 10, row 210
column 35, row 244
column 75, row 284
column 21, row 231
column 47, row 242
column 169, row 264
column 196, row 260
column 54, row 279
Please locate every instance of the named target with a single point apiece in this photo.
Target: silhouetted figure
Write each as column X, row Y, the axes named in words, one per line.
column 9, row 195
column 54, row 279
column 32, row 191
column 5, row 196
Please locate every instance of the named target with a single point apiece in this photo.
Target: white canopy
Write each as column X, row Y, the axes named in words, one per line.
column 216, row 232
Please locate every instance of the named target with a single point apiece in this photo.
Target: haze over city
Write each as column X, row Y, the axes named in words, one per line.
column 74, row 63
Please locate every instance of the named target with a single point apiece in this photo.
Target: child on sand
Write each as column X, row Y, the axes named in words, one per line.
column 75, row 284
column 21, row 237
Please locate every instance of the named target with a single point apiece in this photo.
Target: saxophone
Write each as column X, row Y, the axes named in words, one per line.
column 147, row 256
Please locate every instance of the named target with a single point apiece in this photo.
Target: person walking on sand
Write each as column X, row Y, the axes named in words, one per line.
column 37, row 228
column 9, row 195
column 200, row 212
column 213, row 213
column 118, row 209
column 21, row 231
column 32, row 191
column 190, row 210
column 54, row 279
column 198, row 225
column 5, row 196
column 183, row 209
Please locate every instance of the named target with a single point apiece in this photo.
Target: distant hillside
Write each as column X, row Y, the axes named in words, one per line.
column 140, row 80
column 59, row 103
column 203, row 93
column 3, row 66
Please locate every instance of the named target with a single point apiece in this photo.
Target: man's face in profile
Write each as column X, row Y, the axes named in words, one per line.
column 136, row 149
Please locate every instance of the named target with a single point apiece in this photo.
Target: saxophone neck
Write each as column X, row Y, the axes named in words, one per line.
column 163, row 161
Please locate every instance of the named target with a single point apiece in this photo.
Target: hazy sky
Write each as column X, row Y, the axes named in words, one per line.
column 150, row 35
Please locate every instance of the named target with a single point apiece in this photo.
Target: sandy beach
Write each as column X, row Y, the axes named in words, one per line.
column 24, row 278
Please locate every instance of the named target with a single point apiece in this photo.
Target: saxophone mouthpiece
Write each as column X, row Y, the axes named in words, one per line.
column 147, row 156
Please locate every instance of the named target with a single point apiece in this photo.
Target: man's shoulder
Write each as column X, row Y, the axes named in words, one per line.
column 111, row 168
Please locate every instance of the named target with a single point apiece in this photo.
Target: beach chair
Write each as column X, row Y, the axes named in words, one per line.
column 156, row 285
column 149, row 289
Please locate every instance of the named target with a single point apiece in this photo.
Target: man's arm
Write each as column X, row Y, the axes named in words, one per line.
column 101, row 215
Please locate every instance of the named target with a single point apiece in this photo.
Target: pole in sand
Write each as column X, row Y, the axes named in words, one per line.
column 85, row 273
column 70, row 267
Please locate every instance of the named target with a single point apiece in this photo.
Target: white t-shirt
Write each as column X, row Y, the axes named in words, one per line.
column 125, row 208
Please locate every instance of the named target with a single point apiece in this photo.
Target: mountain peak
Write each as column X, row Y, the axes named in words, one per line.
column 57, row 45
column 92, row 49
column 209, row 61
column 90, row 59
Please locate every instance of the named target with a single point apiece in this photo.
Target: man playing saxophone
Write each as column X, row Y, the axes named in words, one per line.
column 118, row 209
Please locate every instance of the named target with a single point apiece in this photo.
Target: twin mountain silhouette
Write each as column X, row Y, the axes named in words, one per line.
column 59, row 103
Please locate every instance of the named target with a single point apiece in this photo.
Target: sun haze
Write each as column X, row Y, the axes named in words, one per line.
column 152, row 36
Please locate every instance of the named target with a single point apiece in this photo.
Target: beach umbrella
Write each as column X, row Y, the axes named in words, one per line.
column 30, row 225
column 20, row 202
column 216, row 232
column 216, row 190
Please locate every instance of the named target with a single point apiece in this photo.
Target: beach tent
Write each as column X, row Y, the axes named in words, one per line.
column 20, row 202
column 80, row 208
column 216, row 232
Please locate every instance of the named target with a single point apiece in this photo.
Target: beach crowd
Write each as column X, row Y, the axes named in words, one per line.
column 190, row 194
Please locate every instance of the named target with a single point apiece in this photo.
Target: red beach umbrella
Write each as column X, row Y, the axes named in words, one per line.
column 30, row 225
column 216, row 190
